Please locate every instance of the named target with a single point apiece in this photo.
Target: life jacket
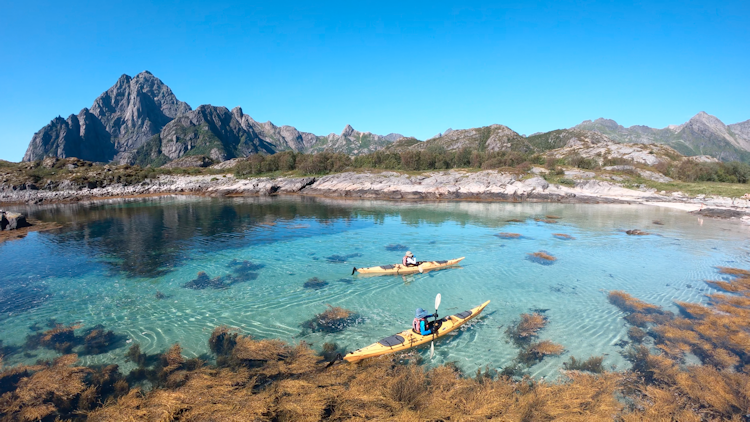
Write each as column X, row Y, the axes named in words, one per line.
column 419, row 325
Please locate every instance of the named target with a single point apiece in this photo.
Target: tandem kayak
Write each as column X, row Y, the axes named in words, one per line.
column 408, row 339
column 403, row 269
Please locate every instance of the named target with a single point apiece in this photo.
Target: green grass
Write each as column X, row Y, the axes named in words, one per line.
column 731, row 190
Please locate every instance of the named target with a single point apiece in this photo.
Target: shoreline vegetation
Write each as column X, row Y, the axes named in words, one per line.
column 693, row 365
column 452, row 175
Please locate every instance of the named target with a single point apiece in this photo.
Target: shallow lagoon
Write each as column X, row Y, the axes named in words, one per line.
column 112, row 258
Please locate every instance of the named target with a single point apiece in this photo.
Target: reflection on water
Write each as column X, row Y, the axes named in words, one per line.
column 168, row 270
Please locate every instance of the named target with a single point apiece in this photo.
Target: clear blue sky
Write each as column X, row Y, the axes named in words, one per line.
column 406, row 67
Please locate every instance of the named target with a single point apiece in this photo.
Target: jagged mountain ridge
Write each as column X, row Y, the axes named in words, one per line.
column 139, row 120
column 703, row 134
column 121, row 119
column 491, row 138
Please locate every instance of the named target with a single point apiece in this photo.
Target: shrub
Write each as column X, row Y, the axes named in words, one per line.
column 582, row 162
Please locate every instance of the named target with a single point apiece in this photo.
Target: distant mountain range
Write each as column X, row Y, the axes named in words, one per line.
column 704, row 134
column 140, row 121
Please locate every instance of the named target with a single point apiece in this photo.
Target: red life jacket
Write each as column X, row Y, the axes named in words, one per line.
column 419, row 325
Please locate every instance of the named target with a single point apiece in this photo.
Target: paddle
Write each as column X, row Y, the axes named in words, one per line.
column 432, row 343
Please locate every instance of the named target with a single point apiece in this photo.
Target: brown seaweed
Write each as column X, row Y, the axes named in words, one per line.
column 535, row 352
column 592, row 364
column 541, row 257
column 563, row 236
column 332, row 320
column 504, row 235
column 526, row 328
column 63, row 339
column 272, row 380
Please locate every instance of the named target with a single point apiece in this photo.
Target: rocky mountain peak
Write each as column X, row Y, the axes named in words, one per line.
column 237, row 113
column 707, row 119
column 608, row 123
column 348, row 131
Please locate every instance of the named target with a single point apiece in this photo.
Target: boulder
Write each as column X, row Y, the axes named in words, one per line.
column 190, row 161
column 49, row 162
column 12, row 220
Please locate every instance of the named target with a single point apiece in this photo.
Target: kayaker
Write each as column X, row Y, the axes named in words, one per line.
column 420, row 323
column 409, row 260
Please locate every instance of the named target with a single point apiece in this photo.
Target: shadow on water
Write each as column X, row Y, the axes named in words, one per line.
column 147, row 238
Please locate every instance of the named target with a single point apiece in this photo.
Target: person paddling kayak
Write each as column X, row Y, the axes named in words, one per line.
column 420, row 323
column 409, row 260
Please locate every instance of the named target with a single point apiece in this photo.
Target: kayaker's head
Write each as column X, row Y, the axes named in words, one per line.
column 409, row 254
column 421, row 313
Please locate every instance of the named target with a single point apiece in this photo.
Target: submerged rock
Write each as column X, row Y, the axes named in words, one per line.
column 396, row 247
column 636, row 232
column 342, row 258
column 244, row 270
column 203, row 281
column 332, row 320
column 315, row 283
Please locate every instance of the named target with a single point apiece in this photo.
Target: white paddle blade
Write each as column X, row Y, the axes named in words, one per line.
column 437, row 301
column 420, row 269
column 432, row 349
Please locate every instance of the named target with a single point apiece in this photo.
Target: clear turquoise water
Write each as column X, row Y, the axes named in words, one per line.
column 111, row 258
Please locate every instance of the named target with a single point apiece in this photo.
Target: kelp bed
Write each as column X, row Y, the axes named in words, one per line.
column 269, row 380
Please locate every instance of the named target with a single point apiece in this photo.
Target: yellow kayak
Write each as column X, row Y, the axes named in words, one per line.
column 408, row 339
column 403, row 269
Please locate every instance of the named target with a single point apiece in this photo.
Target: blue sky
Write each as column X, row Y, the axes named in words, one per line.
column 414, row 68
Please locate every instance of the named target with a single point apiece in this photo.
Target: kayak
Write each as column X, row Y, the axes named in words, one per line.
column 403, row 269
column 408, row 339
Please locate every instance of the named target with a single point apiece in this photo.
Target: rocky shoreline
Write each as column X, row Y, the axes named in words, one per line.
column 440, row 185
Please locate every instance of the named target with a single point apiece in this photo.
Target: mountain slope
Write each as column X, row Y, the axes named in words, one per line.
column 82, row 136
column 135, row 109
column 491, row 138
column 351, row 142
column 121, row 119
column 562, row 137
column 703, row 134
column 208, row 130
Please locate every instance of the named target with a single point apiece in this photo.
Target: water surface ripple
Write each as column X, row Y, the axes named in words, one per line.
column 110, row 260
